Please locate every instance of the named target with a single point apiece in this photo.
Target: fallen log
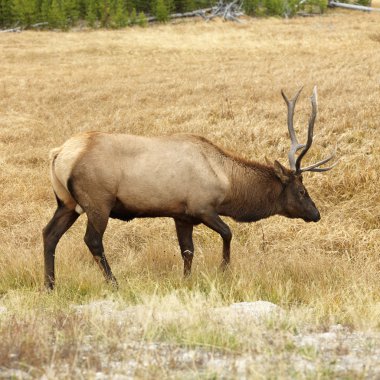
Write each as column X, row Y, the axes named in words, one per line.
column 39, row 24
column 11, row 30
column 18, row 29
column 228, row 11
column 355, row 7
column 198, row 12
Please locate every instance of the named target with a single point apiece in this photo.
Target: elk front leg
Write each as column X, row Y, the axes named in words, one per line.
column 62, row 220
column 214, row 222
column 185, row 240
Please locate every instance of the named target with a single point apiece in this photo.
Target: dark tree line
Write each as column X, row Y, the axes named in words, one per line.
column 64, row 14
column 102, row 13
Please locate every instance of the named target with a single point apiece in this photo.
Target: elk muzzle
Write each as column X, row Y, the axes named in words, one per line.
column 316, row 216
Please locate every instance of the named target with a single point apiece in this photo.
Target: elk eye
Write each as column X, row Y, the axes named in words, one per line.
column 302, row 192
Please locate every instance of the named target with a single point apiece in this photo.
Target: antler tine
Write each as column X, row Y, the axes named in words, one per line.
column 310, row 132
column 314, row 167
column 295, row 146
column 324, row 169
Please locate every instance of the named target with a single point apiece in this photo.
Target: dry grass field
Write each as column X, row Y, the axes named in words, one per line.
column 222, row 81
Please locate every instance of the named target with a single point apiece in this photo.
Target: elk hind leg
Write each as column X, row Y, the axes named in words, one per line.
column 185, row 240
column 96, row 225
column 61, row 221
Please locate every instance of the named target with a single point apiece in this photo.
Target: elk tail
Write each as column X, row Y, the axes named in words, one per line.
column 63, row 196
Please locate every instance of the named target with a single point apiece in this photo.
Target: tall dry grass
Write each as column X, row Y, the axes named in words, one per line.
column 222, row 81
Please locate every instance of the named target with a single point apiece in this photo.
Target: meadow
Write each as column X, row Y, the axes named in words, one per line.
column 222, row 81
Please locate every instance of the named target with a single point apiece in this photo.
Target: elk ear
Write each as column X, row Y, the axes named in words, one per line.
column 281, row 172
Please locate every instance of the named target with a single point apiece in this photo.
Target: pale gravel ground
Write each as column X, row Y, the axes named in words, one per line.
column 335, row 353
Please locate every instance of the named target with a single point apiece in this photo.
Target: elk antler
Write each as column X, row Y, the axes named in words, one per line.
column 295, row 146
column 295, row 163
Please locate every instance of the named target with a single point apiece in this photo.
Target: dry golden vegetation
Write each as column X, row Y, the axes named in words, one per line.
column 222, row 81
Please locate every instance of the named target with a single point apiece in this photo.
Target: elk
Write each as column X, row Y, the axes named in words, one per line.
column 184, row 177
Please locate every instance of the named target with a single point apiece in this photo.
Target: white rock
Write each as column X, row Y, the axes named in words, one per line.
column 102, row 306
column 217, row 365
column 338, row 328
column 257, row 309
column 326, row 340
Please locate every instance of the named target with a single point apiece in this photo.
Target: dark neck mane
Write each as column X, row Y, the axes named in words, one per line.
column 255, row 190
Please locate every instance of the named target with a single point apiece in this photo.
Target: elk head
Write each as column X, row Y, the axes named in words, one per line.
column 296, row 200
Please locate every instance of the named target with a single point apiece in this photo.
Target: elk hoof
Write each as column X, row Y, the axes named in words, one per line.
column 224, row 266
column 114, row 283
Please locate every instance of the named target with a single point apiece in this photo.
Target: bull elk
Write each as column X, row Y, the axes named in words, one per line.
column 185, row 177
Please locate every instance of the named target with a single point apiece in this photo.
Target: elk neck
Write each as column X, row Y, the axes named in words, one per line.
column 255, row 191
